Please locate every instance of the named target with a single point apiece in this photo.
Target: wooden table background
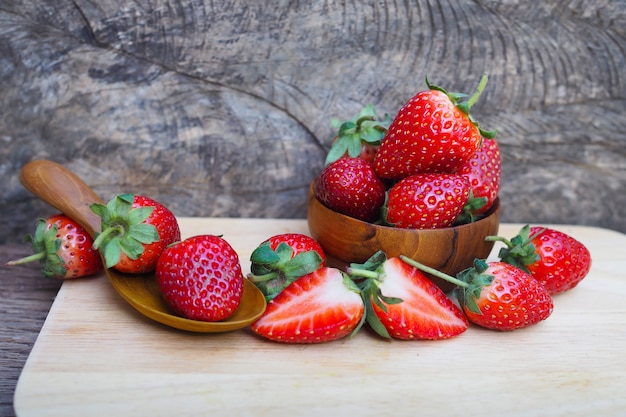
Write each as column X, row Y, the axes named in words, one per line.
column 25, row 298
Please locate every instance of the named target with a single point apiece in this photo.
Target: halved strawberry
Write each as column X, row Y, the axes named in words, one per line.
column 403, row 303
column 322, row 306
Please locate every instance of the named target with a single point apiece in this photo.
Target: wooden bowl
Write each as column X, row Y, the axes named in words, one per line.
column 450, row 250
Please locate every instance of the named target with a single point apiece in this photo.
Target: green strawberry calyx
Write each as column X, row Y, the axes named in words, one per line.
column 45, row 250
column 273, row 270
column 466, row 105
column 366, row 127
column 519, row 251
column 368, row 277
column 469, row 282
column 123, row 229
column 468, row 214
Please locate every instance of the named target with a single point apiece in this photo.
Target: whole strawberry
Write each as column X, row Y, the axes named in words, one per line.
column 497, row 295
column 350, row 186
column 135, row 231
column 322, row 306
column 283, row 258
column 359, row 137
column 402, row 303
column 554, row 258
column 511, row 300
column 426, row 201
column 432, row 132
column 483, row 170
column 200, row 278
column 63, row 249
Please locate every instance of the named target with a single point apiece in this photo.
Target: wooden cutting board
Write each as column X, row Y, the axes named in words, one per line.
column 96, row 356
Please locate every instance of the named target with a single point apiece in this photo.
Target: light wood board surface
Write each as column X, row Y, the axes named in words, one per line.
column 96, row 356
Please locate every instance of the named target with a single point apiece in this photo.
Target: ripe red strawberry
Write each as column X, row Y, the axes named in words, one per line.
column 404, row 302
column 350, row 186
column 322, row 306
column 432, row 132
column 500, row 296
column 200, row 278
column 63, row 249
column 282, row 259
column 483, row 171
column 426, row 201
column 359, row 137
column 135, row 231
column 557, row 260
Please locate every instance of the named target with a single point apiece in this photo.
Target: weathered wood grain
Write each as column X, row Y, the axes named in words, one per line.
column 223, row 108
column 25, row 298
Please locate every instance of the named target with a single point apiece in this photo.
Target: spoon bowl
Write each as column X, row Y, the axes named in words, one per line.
column 63, row 190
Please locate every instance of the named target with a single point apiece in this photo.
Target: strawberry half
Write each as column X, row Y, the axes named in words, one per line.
column 63, row 248
column 557, row 260
column 135, row 231
column 282, row 259
column 350, row 186
column 322, row 306
column 432, row 132
column 426, row 201
column 403, row 303
column 200, row 278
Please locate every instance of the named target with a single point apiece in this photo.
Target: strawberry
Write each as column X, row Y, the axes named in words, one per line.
column 497, row 295
column 426, row 201
column 350, row 186
column 322, row 306
column 557, row 260
column 63, row 249
column 135, row 231
column 483, row 170
column 402, row 303
column 432, row 132
column 282, row 259
column 359, row 137
column 200, row 278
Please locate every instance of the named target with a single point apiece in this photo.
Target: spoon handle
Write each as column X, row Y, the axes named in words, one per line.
column 63, row 190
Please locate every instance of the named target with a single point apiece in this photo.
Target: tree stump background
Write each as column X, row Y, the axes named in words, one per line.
column 223, row 108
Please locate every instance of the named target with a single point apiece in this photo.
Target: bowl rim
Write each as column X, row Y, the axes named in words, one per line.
column 492, row 210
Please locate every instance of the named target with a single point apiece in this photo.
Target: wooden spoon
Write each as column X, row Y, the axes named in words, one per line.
column 63, row 190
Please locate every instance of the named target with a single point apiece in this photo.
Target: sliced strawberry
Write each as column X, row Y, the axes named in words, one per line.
column 322, row 306
column 404, row 302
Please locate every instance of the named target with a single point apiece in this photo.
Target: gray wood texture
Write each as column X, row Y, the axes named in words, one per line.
column 223, row 108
